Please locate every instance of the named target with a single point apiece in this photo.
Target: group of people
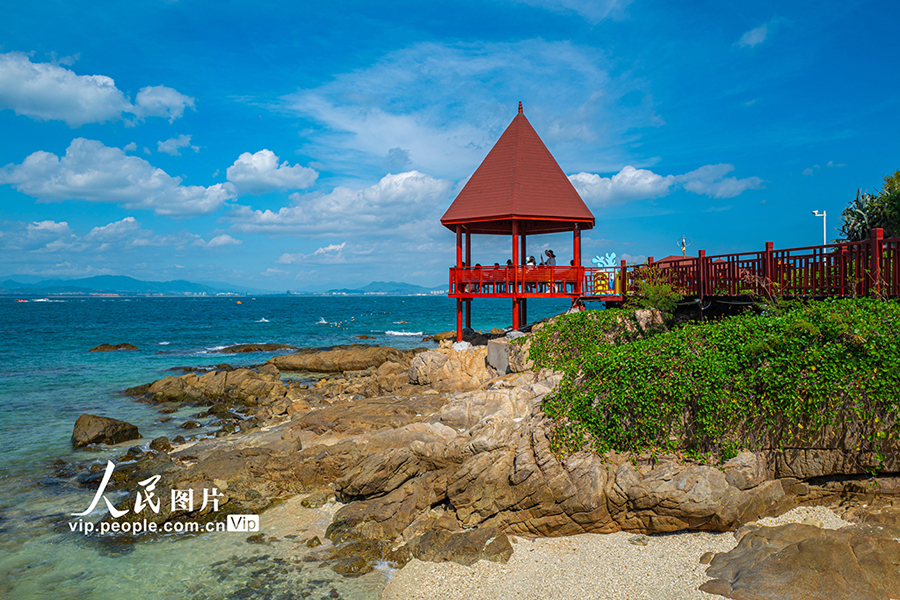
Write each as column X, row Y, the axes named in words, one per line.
column 530, row 262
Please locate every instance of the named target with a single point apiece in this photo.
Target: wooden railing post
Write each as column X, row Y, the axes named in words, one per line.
column 769, row 270
column 701, row 274
column 623, row 279
column 876, row 236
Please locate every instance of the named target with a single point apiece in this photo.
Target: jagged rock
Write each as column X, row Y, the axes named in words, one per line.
column 91, row 429
column 242, row 348
column 465, row 548
column 334, row 361
column 446, row 335
column 423, row 366
column 242, row 386
column 795, row 561
column 518, row 354
column 451, row 370
column 160, row 444
column 746, row 470
column 649, row 319
column 113, row 347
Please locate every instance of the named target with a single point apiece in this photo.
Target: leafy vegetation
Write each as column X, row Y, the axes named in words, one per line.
column 654, row 289
column 750, row 381
column 870, row 211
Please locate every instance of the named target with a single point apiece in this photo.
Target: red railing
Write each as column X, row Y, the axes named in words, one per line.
column 843, row 269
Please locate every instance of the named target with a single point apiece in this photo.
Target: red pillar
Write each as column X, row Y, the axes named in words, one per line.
column 576, row 255
column 701, row 274
column 459, row 260
column 523, row 253
column 875, row 238
column 469, row 264
column 514, row 280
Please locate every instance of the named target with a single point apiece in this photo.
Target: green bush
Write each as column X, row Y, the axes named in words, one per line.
column 749, row 381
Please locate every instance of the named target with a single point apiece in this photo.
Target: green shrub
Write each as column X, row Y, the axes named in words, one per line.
column 749, row 381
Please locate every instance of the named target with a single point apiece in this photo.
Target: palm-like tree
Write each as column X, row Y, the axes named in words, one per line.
column 859, row 217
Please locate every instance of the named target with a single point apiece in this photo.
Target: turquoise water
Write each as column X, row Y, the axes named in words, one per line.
column 48, row 378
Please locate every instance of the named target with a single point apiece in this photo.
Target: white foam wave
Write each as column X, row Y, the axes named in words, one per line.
column 403, row 333
column 263, row 320
column 386, row 568
column 164, row 343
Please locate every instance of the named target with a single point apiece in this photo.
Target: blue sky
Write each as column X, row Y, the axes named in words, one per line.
column 305, row 146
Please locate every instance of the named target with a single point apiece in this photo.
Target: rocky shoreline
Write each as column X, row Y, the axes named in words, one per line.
column 443, row 455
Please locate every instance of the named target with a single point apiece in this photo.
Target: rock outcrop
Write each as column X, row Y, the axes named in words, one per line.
column 446, row 369
column 113, row 347
column 438, row 456
column 351, row 358
column 243, row 348
column 92, row 429
column 797, row 561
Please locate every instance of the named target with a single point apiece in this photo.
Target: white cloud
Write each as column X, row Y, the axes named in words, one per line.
column 49, row 227
column 406, row 106
column 330, row 254
column 223, row 240
column 260, row 172
column 592, row 11
column 633, row 259
column 161, row 101
column 754, row 36
column 97, row 173
column 627, row 185
column 173, row 145
column 114, row 231
column 130, row 147
column 808, row 171
column 711, row 181
column 47, row 91
column 642, row 184
column 395, row 204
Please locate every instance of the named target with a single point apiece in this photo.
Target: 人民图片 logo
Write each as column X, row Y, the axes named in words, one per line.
column 181, row 501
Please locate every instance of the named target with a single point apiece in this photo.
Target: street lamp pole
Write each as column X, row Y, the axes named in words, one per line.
column 822, row 214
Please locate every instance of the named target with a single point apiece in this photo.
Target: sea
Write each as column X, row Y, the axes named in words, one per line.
column 48, row 378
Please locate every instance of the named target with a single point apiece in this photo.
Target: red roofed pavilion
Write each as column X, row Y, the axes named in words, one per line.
column 518, row 190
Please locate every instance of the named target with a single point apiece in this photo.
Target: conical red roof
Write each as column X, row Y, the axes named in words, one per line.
column 518, row 179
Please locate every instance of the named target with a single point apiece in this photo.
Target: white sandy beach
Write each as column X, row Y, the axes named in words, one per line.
column 587, row 566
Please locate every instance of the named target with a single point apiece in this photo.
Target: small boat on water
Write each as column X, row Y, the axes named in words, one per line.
column 21, row 300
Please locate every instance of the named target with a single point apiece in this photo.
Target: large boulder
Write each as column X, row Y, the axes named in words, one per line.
column 798, row 561
column 451, row 370
column 338, row 360
column 92, row 429
column 498, row 355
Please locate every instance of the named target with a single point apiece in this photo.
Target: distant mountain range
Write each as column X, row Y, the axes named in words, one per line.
column 116, row 284
column 30, row 285
column 391, row 288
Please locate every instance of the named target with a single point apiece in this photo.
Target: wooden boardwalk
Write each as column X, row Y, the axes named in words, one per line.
column 847, row 269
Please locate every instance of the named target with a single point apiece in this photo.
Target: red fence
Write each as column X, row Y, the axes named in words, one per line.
column 843, row 269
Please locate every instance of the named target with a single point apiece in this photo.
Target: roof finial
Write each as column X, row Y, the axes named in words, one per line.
column 520, row 107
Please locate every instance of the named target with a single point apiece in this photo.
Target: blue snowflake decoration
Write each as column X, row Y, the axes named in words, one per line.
column 608, row 261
